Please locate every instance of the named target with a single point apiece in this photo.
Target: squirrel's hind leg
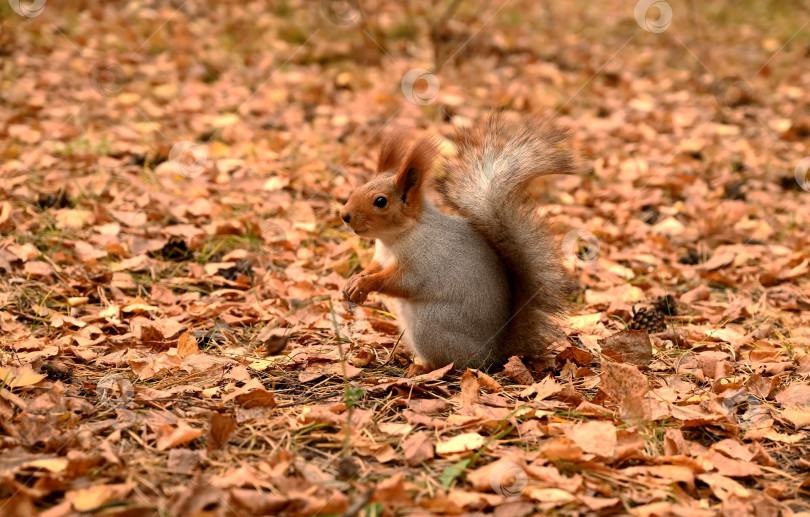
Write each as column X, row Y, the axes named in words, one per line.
column 416, row 369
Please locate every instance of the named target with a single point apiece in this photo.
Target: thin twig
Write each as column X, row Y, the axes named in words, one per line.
column 391, row 355
column 349, row 405
column 360, row 502
column 435, row 32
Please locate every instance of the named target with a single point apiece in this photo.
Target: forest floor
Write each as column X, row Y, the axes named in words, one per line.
column 173, row 334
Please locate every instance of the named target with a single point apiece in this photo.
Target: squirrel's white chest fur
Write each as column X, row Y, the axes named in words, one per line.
column 462, row 301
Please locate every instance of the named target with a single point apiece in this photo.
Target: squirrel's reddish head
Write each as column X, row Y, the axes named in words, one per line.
column 392, row 201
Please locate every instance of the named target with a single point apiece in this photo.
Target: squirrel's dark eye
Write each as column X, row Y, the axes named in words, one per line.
column 380, row 202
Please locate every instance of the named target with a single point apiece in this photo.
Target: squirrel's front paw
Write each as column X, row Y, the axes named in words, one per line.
column 357, row 289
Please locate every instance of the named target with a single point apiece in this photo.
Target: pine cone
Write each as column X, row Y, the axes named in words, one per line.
column 650, row 320
column 666, row 305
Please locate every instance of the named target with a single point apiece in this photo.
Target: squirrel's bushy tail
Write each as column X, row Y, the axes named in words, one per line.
column 487, row 183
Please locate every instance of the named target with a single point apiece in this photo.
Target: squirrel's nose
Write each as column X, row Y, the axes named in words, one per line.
column 346, row 217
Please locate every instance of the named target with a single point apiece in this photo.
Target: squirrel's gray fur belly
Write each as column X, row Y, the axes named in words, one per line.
column 460, row 312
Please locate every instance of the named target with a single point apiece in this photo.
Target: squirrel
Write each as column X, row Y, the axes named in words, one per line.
column 481, row 286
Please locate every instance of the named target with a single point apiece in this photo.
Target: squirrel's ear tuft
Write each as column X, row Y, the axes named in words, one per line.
column 415, row 167
column 392, row 151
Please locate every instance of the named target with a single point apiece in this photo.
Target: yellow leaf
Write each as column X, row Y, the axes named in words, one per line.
column 17, row 377
column 263, row 364
column 49, row 464
column 169, row 436
column 86, row 499
column 552, row 496
column 586, row 321
column 220, row 150
column 462, row 443
column 73, row 219
column 225, row 120
column 187, row 345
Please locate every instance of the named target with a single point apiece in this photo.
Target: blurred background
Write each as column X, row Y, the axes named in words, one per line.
column 300, row 91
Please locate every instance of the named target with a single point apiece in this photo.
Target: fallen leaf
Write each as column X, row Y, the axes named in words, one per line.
column 733, row 468
column 259, row 397
column 794, row 395
column 488, row 383
column 798, row 416
column 517, row 371
column 428, row 406
column 699, row 293
column 171, row 436
column 256, row 502
column 73, row 219
column 91, row 498
column 549, row 497
column 187, row 345
column 595, row 437
column 221, row 428
column 469, row 389
column 718, row 260
column 627, row 386
column 542, row 390
column 37, row 268
column 633, row 346
column 724, row 487
column 17, row 377
column 435, row 375
column 417, row 449
column 462, row 443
